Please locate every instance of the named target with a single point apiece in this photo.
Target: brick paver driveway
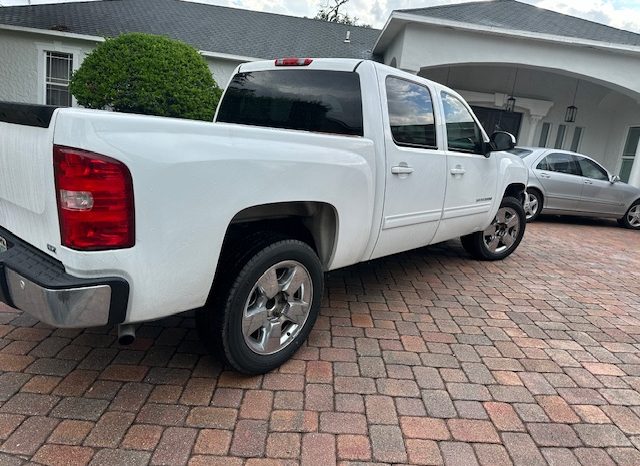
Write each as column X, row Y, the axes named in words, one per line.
column 424, row 358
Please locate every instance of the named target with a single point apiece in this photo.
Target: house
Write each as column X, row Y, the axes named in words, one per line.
column 567, row 83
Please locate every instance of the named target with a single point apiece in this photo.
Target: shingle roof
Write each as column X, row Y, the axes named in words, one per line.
column 510, row 14
column 206, row 27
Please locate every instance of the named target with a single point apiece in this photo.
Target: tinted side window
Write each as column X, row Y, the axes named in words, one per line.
column 561, row 163
column 591, row 169
column 463, row 134
column 309, row 100
column 410, row 114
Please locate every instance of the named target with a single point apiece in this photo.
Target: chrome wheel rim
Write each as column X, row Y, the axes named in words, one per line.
column 503, row 231
column 532, row 205
column 633, row 216
column 277, row 307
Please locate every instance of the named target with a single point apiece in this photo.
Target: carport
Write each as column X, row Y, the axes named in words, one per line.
column 547, row 62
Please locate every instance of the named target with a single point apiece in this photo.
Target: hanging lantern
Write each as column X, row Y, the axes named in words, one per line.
column 572, row 110
column 510, row 105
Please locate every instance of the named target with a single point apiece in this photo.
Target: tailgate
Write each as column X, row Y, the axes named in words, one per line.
column 27, row 191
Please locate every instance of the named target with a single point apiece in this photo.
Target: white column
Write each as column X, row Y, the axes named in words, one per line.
column 534, row 121
column 634, row 178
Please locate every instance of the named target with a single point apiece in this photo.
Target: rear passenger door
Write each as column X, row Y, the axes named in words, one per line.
column 560, row 176
column 415, row 167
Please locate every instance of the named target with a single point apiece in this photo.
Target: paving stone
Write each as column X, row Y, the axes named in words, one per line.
column 108, row 457
column 458, row 454
column 79, row 408
column 27, row 438
column 318, row 449
column 553, row 435
column 492, row 455
column 387, row 444
column 594, row 435
column 63, row 454
column 523, row 450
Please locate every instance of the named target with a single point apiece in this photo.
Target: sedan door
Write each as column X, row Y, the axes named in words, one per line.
column 559, row 175
column 599, row 195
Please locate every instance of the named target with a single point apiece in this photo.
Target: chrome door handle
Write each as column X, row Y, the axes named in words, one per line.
column 588, row 182
column 458, row 170
column 402, row 170
column 545, row 175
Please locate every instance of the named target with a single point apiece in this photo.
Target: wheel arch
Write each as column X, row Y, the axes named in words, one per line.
column 515, row 190
column 315, row 223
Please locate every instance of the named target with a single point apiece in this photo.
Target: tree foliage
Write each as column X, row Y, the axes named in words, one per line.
column 147, row 74
column 330, row 11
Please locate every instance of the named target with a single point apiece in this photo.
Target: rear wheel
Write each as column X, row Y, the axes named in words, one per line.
column 500, row 238
column 632, row 218
column 533, row 204
column 263, row 312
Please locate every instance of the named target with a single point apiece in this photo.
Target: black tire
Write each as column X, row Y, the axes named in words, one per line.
column 220, row 323
column 626, row 220
column 476, row 243
column 532, row 215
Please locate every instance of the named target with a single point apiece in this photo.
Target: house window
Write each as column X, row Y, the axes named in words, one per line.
column 59, row 67
column 629, row 154
column 544, row 135
column 562, row 129
column 577, row 137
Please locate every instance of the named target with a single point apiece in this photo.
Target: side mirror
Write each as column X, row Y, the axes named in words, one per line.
column 615, row 179
column 501, row 140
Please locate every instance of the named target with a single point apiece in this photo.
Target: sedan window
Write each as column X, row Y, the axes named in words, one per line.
column 590, row 169
column 561, row 163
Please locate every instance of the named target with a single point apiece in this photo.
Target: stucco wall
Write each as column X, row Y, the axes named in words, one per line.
column 22, row 58
column 427, row 46
column 222, row 70
column 22, row 63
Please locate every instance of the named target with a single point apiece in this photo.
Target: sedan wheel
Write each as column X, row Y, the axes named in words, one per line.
column 532, row 206
column 632, row 218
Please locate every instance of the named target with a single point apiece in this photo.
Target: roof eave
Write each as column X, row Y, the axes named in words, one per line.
column 90, row 38
column 399, row 19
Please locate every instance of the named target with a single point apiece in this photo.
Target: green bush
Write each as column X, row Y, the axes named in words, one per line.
column 147, row 74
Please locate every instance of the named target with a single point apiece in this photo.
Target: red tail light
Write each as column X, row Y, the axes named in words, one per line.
column 95, row 200
column 294, row 61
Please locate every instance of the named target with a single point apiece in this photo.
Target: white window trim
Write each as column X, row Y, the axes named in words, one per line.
column 573, row 135
column 42, row 49
column 622, row 157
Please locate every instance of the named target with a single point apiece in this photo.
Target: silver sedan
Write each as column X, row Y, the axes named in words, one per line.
column 566, row 183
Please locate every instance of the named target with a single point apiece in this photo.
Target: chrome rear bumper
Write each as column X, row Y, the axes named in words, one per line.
column 38, row 285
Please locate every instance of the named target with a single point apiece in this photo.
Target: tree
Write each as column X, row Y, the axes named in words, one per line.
column 147, row 74
column 331, row 12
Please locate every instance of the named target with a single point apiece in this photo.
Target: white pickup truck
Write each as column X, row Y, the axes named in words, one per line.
column 310, row 165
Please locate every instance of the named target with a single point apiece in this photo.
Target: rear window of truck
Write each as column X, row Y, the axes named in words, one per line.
column 308, row 100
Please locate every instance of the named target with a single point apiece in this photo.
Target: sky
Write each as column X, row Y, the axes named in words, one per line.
column 623, row 14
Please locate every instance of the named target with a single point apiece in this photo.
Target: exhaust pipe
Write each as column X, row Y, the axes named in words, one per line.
column 126, row 334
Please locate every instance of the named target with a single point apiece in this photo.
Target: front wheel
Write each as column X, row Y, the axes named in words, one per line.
column 500, row 238
column 268, row 310
column 632, row 218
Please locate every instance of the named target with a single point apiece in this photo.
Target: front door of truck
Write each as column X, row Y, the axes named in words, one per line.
column 472, row 178
column 415, row 167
